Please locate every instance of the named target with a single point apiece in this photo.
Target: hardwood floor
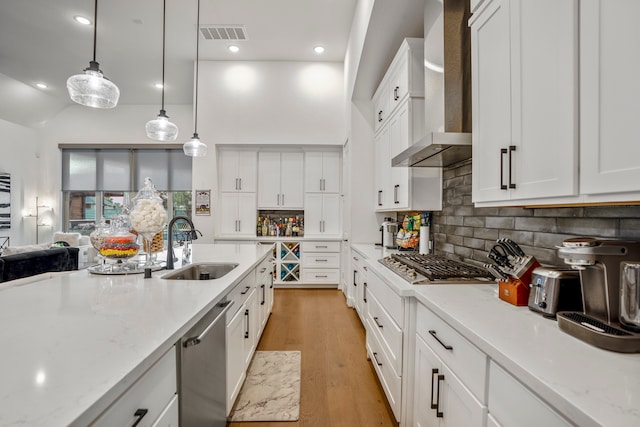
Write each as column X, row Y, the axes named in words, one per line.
column 339, row 387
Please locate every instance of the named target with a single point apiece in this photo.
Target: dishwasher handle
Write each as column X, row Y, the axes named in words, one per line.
column 226, row 305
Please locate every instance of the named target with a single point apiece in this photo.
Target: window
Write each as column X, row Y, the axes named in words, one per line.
column 100, row 182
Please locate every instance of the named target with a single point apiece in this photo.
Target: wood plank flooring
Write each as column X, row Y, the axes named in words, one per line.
column 339, row 387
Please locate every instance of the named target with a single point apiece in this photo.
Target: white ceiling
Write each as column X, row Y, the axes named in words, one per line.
column 40, row 42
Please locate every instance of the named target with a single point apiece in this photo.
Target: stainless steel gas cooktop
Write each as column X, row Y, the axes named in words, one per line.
column 434, row 269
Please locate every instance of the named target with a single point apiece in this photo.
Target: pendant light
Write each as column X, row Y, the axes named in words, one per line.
column 194, row 147
column 92, row 88
column 161, row 128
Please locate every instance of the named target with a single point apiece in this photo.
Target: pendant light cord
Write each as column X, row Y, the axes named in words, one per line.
column 164, row 23
column 95, row 29
column 195, row 120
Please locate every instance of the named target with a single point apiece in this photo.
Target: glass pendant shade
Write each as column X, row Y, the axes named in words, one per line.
column 161, row 129
column 93, row 89
column 195, row 147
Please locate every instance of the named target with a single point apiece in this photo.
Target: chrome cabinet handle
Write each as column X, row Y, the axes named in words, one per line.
column 375, row 356
column 139, row 414
column 512, row 184
column 321, row 276
column 433, row 334
column 321, row 247
column 375, row 319
column 197, row 340
column 322, row 260
column 503, row 151
column 236, row 183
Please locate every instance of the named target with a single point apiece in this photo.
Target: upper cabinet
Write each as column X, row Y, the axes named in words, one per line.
column 399, row 121
column 280, row 180
column 609, row 97
column 322, row 170
column 554, row 101
column 404, row 78
column 525, row 109
column 238, row 170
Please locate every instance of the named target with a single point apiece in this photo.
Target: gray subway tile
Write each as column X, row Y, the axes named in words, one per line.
column 587, row 226
column 536, row 224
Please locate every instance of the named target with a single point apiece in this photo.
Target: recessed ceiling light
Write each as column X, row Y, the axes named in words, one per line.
column 318, row 49
column 233, row 48
column 82, row 20
column 158, row 85
column 41, row 85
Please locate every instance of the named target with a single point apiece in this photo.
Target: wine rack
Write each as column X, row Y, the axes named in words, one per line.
column 287, row 269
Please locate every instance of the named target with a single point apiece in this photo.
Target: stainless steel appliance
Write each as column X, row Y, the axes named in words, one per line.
column 600, row 263
column 630, row 296
column 555, row 289
column 422, row 269
column 389, row 230
column 202, row 365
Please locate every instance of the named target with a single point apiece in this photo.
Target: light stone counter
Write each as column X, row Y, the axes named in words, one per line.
column 588, row 385
column 72, row 343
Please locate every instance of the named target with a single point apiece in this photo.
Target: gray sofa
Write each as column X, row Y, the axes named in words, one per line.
column 25, row 264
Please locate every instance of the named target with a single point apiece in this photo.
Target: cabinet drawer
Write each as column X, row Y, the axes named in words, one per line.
column 465, row 359
column 320, row 247
column 321, row 260
column 391, row 383
column 512, row 404
column 389, row 334
column 392, row 302
column 169, row 417
column 240, row 293
column 317, row 275
column 153, row 392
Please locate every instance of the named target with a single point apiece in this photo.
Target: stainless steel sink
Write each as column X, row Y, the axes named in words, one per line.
column 200, row 271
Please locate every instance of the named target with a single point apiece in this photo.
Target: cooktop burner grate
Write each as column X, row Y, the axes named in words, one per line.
column 436, row 267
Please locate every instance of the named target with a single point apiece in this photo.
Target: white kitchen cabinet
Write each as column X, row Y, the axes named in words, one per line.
column 264, row 278
column 148, row 398
column 251, row 314
column 360, row 272
column 237, row 214
column 403, row 188
column 322, row 171
column 321, row 263
column 238, row 170
column 513, row 404
column 170, row 417
column 609, row 94
column 280, row 180
column 322, row 214
column 525, row 92
column 287, row 269
column 404, row 78
column 440, row 398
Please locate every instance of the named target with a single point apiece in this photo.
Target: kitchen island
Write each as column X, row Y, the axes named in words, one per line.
column 521, row 353
column 74, row 342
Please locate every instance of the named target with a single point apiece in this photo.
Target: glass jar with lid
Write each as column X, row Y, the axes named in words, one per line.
column 147, row 215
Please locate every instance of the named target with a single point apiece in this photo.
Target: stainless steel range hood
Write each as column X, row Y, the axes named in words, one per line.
column 447, row 69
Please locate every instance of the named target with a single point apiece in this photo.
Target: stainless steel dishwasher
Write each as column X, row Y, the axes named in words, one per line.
column 202, row 365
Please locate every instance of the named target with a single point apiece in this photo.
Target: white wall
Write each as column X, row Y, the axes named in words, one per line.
column 18, row 148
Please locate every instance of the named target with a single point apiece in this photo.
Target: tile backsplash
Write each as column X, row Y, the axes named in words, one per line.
column 464, row 232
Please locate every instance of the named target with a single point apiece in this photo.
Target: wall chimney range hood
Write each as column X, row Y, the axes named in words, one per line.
column 448, row 92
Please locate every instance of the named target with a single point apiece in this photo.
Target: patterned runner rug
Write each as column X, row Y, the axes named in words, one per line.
column 271, row 391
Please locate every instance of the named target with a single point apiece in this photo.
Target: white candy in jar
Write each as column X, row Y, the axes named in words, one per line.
column 148, row 215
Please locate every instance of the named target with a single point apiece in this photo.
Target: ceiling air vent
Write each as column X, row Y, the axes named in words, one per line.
column 223, row 32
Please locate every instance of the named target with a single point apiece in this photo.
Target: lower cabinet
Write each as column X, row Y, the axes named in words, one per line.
column 151, row 399
column 511, row 403
column 321, row 263
column 253, row 301
column 360, row 271
column 440, row 398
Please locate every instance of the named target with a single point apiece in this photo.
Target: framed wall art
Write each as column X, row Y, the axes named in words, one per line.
column 203, row 202
column 5, row 201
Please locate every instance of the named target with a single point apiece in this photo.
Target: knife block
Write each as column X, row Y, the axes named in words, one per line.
column 514, row 291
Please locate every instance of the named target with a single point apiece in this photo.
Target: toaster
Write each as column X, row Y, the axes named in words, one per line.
column 555, row 289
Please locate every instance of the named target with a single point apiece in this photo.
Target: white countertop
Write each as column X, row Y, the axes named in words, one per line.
column 588, row 385
column 74, row 342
